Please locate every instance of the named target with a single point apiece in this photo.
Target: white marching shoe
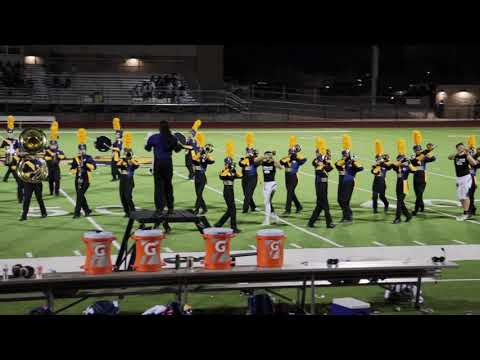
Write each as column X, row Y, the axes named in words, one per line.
column 274, row 218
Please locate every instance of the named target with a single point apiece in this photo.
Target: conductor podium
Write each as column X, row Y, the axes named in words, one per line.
column 144, row 217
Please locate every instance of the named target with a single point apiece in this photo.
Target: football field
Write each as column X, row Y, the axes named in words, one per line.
column 60, row 235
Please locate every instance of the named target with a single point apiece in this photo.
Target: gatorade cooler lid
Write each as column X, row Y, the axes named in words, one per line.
column 270, row 232
column 217, row 231
column 97, row 235
column 149, row 233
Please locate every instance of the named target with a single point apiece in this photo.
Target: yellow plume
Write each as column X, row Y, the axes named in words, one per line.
column 472, row 141
column 249, row 140
column 10, row 122
column 197, row 124
column 201, row 139
column 54, row 130
column 401, row 146
column 378, row 147
column 229, row 151
column 116, row 123
column 128, row 140
column 293, row 141
column 82, row 136
column 417, row 137
column 346, row 142
column 321, row 145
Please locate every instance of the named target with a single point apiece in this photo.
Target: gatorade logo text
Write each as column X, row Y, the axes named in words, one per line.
column 220, row 246
column 100, row 250
column 149, row 248
column 274, row 249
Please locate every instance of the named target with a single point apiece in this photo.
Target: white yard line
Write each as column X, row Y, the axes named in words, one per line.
column 279, row 219
column 460, row 242
column 253, row 247
column 378, row 243
column 419, row 243
column 445, row 176
column 29, row 254
column 92, row 221
column 296, row 246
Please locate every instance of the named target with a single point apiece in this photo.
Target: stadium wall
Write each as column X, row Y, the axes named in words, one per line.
column 184, row 120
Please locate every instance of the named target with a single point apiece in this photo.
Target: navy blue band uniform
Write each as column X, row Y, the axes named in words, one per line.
column 29, row 189
column 228, row 175
column 15, row 160
column 82, row 167
column 200, row 162
column 420, row 161
column 292, row 164
column 402, row 168
column 351, row 168
column 126, row 167
column 473, row 172
column 249, row 181
column 322, row 167
column 53, row 159
column 379, row 186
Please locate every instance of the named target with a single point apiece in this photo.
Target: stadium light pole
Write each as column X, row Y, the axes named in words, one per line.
column 374, row 78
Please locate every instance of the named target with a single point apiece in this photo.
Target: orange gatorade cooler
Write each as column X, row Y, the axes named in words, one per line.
column 147, row 249
column 99, row 252
column 270, row 244
column 217, row 248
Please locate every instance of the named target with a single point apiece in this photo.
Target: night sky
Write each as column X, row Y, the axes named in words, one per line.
column 400, row 64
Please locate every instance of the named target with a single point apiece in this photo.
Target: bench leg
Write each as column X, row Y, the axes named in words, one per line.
column 417, row 297
column 122, row 253
column 312, row 303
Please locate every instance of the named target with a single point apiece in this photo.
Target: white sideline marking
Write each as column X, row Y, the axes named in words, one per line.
column 76, row 252
column 296, row 246
column 168, row 250
column 279, row 219
column 419, row 243
column 445, row 176
column 378, row 243
column 93, row 222
column 460, row 242
column 29, row 255
column 252, row 247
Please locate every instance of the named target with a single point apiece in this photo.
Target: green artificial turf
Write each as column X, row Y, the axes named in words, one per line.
column 61, row 235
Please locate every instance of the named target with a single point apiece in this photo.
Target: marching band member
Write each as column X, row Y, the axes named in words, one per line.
column 53, row 156
column 351, row 167
column 13, row 169
column 82, row 167
column 127, row 166
column 116, row 148
column 189, row 149
column 419, row 161
column 249, row 171
column 30, row 167
column 322, row 167
column 201, row 159
column 292, row 163
column 463, row 162
column 269, row 166
column 340, row 165
column 9, row 144
column 228, row 175
column 379, row 170
column 475, row 153
column 403, row 167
